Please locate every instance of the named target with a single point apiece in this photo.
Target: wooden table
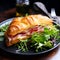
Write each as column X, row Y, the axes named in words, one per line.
column 52, row 55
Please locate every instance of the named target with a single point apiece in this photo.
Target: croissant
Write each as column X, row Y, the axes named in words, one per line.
column 20, row 26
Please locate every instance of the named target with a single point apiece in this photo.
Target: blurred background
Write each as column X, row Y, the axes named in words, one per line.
column 50, row 4
column 8, row 4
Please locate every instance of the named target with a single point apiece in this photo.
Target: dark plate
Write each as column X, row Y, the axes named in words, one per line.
column 13, row 48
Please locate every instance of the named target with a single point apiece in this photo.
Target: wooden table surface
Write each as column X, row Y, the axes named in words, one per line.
column 52, row 55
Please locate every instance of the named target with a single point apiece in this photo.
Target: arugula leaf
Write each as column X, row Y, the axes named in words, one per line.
column 4, row 28
column 51, row 32
column 22, row 45
column 48, row 44
column 38, row 37
column 2, row 31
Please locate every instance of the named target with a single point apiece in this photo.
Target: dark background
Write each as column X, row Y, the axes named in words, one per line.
column 7, row 4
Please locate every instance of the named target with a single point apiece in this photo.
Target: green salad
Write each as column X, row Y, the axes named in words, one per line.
column 38, row 41
column 2, row 31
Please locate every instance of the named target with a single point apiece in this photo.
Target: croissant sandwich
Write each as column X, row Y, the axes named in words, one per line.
column 22, row 28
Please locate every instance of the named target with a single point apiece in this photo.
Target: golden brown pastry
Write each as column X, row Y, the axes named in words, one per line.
column 20, row 26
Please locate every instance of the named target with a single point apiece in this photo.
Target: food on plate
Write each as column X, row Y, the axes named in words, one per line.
column 33, row 31
column 19, row 26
